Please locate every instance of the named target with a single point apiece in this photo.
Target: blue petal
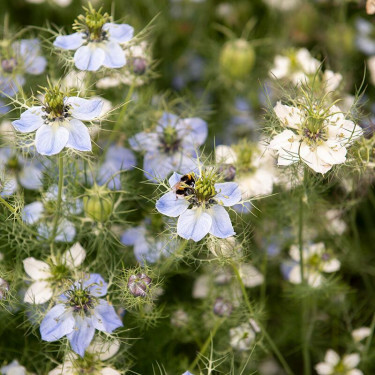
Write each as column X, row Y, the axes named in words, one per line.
column 194, row 224
column 121, row 33
column 57, row 323
column 96, row 285
column 50, row 140
column 144, row 141
column 167, row 119
column 29, row 51
column 10, row 187
column 84, row 109
column 114, row 56
column 79, row 137
column 105, row 318
column 221, row 224
column 121, row 157
column 157, row 166
column 66, row 231
column 30, row 120
column 89, row 58
column 31, row 175
column 72, row 41
column 170, row 205
column 32, row 212
column 82, row 335
column 194, row 129
column 228, row 193
column 132, row 235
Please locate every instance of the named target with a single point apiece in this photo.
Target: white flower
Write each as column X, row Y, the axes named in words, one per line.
column 242, row 337
column 319, row 139
column 336, row 225
column 42, row 274
column 296, row 67
column 361, row 333
column 334, row 365
column 316, row 260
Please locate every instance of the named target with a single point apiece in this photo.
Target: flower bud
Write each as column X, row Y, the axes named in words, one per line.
column 97, row 204
column 222, row 307
column 237, row 59
column 138, row 284
column 139, row 66
column 4, row 288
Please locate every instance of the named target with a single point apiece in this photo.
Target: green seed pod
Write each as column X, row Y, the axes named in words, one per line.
column 97, row 204
column 237, row 59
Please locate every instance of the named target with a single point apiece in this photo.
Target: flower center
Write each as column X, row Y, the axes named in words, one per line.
column 314, row 130
column 340, row 369
column 169, row 140
column 205, row 188
column 59, row 272
column 54, row 107
column 81, row 300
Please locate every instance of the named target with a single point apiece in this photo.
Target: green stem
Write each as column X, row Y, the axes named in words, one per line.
column 369, row 339
column 206, row 343
column 59, row 196
column 268, row 338
column 300, row 238
column 8, row 206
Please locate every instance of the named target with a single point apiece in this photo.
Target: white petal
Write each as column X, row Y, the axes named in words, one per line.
column 121, row 33
column 104, row 349
column 221, row 225
column 312, row 159
column 323, row 368
column 331, row 265
column 351, row 360
column 89, row 58
column 36, row 269
column 85, row 109
column 354, row 372
column 72, row 41
column 79, row 136
column 109, row 371
column 281, row 67
column 38, row 292
column 332, row 357
column 289, row 116
column 225, row 154
column 250, row 276
column 283, row 140
column 30, row 120
column 361, row 333
column 194, row 224
column 50, row 140
column 114, row 56
column 75, row 256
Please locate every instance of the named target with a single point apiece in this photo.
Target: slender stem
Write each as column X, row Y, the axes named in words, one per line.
column 268, row 338
column 300, row 238
column 206, row 343
column 59, row 196
column 7, row 205
column 369, row 339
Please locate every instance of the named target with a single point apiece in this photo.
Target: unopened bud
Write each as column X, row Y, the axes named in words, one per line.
column 138, row 284
column 139, row 66
column 97, row 204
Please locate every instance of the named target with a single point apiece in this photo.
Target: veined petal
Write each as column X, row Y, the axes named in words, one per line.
column 120, row 33
column 38, row 292
column 79, row 136
column 105, row 318
column 57, row 323
column 89, row 58
column 114, row 55
column 289, row 116
column 96, row 285
column 75, row 256
column 228, row 193
column 194, row 224
column 221, row 225
column 72, row 41
column 30, row 120
column 282, row 140
column 50, row 140
column 84, row 109
column 311, row 158
column 36, row 269
column 32, row 212
column 170, row 205
column 82, row 334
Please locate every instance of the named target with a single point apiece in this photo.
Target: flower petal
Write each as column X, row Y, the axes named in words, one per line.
column 132, row 235
column 50, row 140
column 96, row 285
column 332, row 357
column 351, row 360
column 170, row 205
column 323, row 368
column 144, row 141
column 75, row 256
column 114, row 56
column 30, row 120
column 31, row 176
column 120, row 33
column 57, row 323
column 194, row 224
column 221, row 224
column 105, row 318
column 109, row 371
column 32, row 212
column 36, row 269
column 79, row 136
column 38, row 292
column 72, row 41
column 84, row 109
column 82, row 335
column 89, row 58
column 228, row 193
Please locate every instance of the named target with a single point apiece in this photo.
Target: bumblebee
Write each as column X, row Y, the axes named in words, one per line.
column 185, row 186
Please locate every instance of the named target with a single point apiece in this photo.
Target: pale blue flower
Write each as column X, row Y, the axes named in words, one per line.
column 91, row 54
column 20, row 171
column 197, row 215
column 79, row 312
column 66, row 130
column 171, row 147
column 117, row 159
column 365, row 40
column 147, row 247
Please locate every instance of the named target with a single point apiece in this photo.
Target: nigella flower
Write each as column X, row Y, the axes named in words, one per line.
column 58, row 122
column 317, row 137
column 79, row 312
column 198, row 202
column 20, row 170
column 172, row 146
column 97, row 352
column 46, row 277
column 242, row 337
column 333, row 364
column 316, row 259
column 97, row 41
column 22, row 57
column 116, row 159
column 148, row 247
